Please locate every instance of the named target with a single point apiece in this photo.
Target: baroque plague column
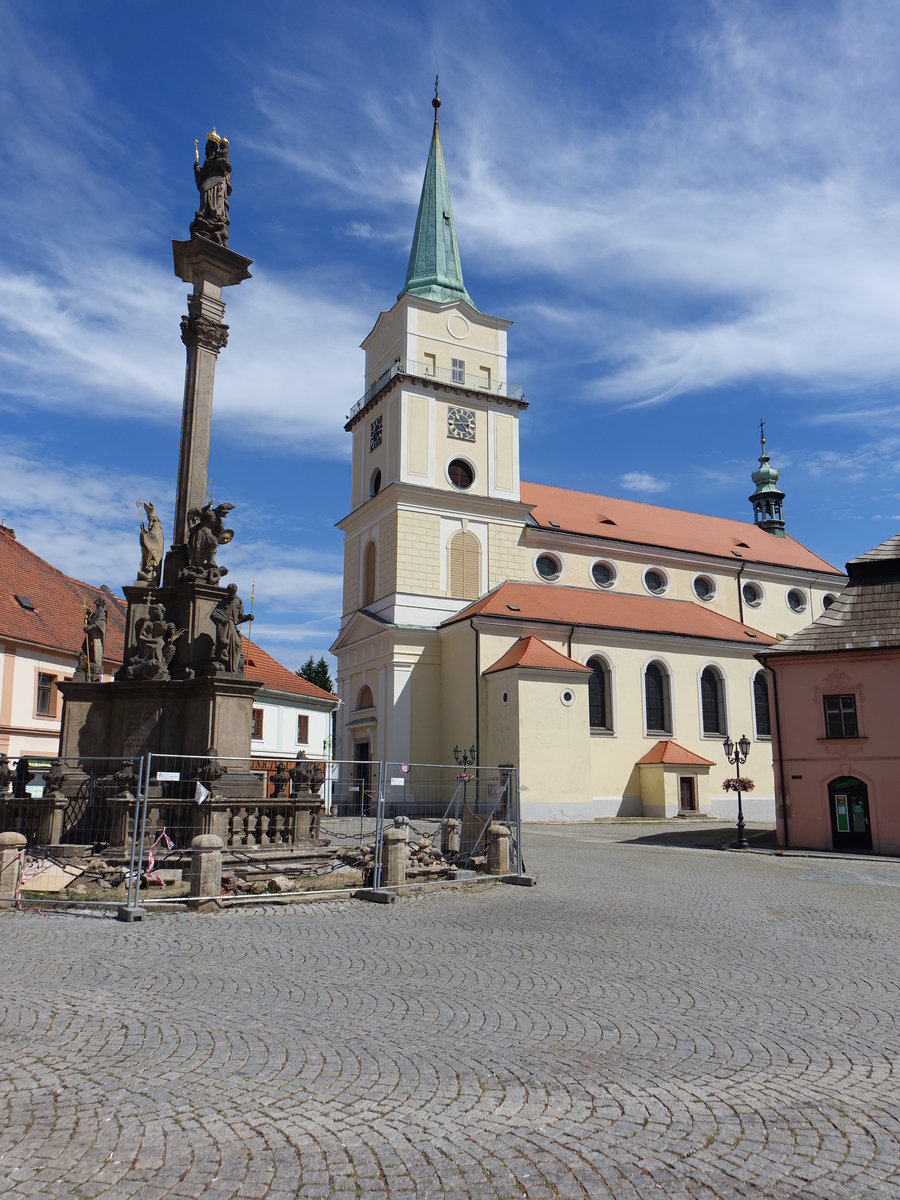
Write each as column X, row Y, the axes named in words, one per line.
column 181, row 689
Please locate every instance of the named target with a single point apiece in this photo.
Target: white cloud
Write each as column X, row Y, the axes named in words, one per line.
column 642, row 481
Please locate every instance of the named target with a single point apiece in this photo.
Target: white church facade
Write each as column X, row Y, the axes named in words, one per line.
column 603, row 646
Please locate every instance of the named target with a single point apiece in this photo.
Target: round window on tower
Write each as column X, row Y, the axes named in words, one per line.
column 603, row 573
column 704, row 587
column 753, row 594
column 548, row 567
column 796, row 600
column 461, row 474
column 656, row 581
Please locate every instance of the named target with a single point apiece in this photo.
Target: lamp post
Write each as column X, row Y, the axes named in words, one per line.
column 738, row 753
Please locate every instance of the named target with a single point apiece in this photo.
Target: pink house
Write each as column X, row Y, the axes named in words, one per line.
column 835, row 699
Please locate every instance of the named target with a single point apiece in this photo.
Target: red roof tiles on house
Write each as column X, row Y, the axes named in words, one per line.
column 652, row 525
column 610, row 610
column 57, row 619
column 532, row 652
column 272, row 675
column 670, row 754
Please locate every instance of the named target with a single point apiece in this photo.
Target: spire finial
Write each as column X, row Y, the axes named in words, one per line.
column 436, row 102
column 762, row 435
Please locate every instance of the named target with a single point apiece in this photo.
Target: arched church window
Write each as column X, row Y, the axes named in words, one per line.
column 712, row 702
column 657, row 699
column 370, row 567
column 599, row 696
column 465, row 565
column 364, row 698
column 761, row 705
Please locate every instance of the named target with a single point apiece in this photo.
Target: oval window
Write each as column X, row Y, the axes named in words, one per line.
column 567, row 697
column 547, row 566
column 704, row 588
column 827, row 600
column 460, row 473
column 796, row 600
column 603, row 574
column 752, row 594
column 655, row 582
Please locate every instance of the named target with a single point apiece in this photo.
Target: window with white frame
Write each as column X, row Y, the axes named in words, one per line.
column 303, row 729
column 600, row 696
column 658, row 699
column 712, row 703
column 457, row 370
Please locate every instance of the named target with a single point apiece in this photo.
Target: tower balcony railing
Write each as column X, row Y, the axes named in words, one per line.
column 450, row 375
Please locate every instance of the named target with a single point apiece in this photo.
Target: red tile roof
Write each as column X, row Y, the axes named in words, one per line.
column 57, row 620
column 651, row 525
column 673, row 755
column 532, row 652
column 610, row 610
column 263, row 667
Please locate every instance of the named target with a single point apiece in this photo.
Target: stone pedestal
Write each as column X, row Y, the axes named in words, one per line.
column 206, row 868
column 450, row 829
column 135, row 717
column 394, row 855
column 498, row 850
column 11, row 857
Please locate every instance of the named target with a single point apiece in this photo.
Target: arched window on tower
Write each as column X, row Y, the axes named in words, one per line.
column 657, row 699
column 465, row 565
column 761, row 705
column 600, row 696
column 370, row 567
column 712, row 702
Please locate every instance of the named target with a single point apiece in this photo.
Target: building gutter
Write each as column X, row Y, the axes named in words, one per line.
column 740, row 597
column 477, row 633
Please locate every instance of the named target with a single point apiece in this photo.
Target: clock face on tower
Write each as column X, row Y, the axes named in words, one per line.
column 375, row 433
column 461, row 424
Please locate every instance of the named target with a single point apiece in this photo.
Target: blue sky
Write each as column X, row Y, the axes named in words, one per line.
column 690, row 210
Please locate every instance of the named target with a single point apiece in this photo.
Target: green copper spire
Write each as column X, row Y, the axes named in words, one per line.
column 434, row 271
column 767, row 498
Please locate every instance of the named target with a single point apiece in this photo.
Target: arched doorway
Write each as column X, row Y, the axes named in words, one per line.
column 848, row 801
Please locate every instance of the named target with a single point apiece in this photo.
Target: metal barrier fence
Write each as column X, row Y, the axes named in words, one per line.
column 309, row 821
column 449, row 810
column 78, row 817
column 118, row 831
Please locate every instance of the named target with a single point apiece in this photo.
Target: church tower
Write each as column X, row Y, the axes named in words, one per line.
column 435, row 483
column 767, row 499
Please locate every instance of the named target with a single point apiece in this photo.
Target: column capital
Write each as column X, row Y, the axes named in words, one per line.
column 205, row 332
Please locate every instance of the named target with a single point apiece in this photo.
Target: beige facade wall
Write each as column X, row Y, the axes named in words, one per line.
column 387, row 555
column 351, row 574
column 554, row 744
column 418, row 552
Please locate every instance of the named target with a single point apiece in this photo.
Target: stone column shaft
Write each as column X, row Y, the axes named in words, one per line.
column 204, row 335
column 11, row 847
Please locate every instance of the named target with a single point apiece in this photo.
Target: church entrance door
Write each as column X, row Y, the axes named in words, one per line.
column 687, row 793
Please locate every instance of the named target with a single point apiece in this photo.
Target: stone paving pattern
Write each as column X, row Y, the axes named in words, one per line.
column 647, row 1022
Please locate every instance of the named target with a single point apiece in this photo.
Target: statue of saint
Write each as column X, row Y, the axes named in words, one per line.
column 6, row 775
column 54, row 778
column 227, row 616
column 214, row 185
column 152, row 547
column 154, row 647
column 206, row 533
column 92, row 645
column 280, row 780
column 306, row 776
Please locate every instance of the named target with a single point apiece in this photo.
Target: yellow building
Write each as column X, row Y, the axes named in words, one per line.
column 603, row 646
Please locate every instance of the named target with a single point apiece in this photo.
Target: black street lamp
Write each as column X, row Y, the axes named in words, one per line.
column 464, row 758
column 738, row 753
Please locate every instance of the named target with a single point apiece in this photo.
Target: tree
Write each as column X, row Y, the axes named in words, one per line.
column 317, row 673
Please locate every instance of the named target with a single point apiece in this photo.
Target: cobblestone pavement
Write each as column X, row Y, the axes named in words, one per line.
column 648, row 1021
